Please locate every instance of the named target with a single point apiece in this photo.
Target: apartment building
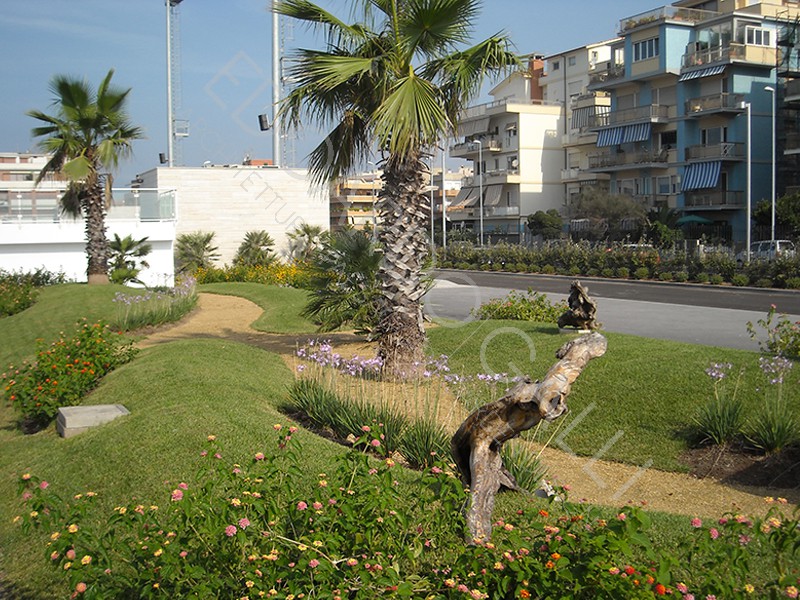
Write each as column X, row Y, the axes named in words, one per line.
column 514, row 143
column 352, row 201
column 692, row 88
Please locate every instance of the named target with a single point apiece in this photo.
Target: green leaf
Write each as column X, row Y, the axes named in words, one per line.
column 78, row 168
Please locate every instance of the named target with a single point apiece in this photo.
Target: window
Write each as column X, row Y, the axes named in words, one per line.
column 755, row 36
column 646, row 49
column 713, row 136
column 556, row 65
column 663, row 186
column 668, row 139
column 571, row 61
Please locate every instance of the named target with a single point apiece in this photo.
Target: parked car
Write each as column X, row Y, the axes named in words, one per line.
column 767, row 250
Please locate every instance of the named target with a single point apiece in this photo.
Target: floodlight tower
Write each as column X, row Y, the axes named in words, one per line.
column 176, row 128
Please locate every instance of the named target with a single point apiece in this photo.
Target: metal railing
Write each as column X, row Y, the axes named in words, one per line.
column 470, row 147
column 136, row 204
column 715, row 198
column 617, row 159
column 653, row 112
column 733, row 150
column 608, row 74
column 690, row 15
column 707, row 56
column 712, row 102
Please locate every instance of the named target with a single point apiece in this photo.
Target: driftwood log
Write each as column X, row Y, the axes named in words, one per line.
column 477, row 444
column 582, row 309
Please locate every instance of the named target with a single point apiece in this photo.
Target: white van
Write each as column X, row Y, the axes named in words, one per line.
column 767, row 250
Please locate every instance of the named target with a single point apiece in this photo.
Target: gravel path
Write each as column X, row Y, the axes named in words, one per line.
column 596, row 481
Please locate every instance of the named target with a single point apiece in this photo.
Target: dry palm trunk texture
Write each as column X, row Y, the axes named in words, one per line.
column 477, row 444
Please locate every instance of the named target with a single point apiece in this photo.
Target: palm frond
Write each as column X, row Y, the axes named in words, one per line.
column 315, row 16
column 346, row 146
column 434, row 27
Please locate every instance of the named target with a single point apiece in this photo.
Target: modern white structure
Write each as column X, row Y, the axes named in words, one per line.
column 230, row 200
column 521, row 157
column 34, row 234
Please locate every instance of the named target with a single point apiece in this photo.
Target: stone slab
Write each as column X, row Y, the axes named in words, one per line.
column 73, row 420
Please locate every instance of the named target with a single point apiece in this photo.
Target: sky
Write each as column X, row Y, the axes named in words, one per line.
column 226, row 61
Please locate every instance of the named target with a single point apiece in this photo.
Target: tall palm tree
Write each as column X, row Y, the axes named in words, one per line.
column 88, row 134
column 394, row 78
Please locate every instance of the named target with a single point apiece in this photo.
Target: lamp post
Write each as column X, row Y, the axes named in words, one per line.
column 480, row 187
column 444, row 198
column 749, row 179
column 433, row 224
column 374, row 214
column 771, row 90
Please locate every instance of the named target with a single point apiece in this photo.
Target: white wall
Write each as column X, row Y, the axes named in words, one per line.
column 230, row 201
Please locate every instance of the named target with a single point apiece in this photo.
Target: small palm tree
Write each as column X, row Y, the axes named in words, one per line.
column 126, row 258
column 195, row 251
column 87, row 136
column 397, row 79
column 255, row 249
column 344, row 283
column 304, row 240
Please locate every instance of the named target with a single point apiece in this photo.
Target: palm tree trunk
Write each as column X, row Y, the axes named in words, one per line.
column 94, row 214
column 404, row 210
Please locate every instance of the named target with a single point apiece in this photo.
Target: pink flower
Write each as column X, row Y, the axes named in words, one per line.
column 217, row 455
column 313, row 563
column 317, row 505
column 292, row 429
column 435, row 470
column 681, row 587
column 204, row 453
column 366, row 429
column 177, row 495
column 43, row 486
column 696, row 523
column 244, row 523
column 622, row 516
column 375, row 443
column 80, row 588
column 183, row 486
column 230, row 530
column 713, row 533
column 183, row 554
column 791, row 592
column 614, row 571
column 302, row 505
column 259, row 456
column 277, row 427
column 70, row 554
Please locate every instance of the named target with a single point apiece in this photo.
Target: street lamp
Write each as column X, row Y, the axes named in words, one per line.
column 374, row 214
column 771, row 90
column 444, row 198
column 480, row 187
column 749, row 178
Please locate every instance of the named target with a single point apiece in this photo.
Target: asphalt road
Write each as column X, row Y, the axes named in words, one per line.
column 700, row 314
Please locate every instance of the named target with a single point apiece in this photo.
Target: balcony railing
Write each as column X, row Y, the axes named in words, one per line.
column 619, row 159
column 690, row 15
column 725, row 150
column 714, row 102
column 716, row 54
column 491, row 145
column 473, row 180
column 654, row 112
column 608, row 74
column 126, row 204
column 715, row 198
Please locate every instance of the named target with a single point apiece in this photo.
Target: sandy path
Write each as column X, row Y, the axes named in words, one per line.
column 596, row 481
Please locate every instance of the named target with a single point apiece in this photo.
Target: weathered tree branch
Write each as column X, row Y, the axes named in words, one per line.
column 477, row 444
column 582, row 309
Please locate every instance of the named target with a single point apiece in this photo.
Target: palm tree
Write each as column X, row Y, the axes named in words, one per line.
column 255, row 250
column 305, row 240
column 126, row 258
column 395, row 79
column 87, row 136
column 195, row 251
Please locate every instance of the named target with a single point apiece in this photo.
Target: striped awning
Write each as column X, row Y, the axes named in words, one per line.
column 707, row 72
column 492, row 195
column 701, row 175
column 469, row 127
column 610, row 137
column 467, row 196
column 636, row 133
column 580, row 117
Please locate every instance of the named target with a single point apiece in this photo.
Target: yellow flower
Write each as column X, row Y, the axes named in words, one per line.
column 55, row 535
column 86, row 560
column 34, row 514
column 158, row 553
column 302, row 547
column 67, row 565
column 749, row 588
column 73, row 528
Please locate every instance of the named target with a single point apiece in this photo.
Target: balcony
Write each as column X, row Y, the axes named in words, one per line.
column 626, row 160
column 714, row 103
column 690, row 16
column 792, row 143
column 501, row 211
column 714, row 200
column 722, row 151
column 760, row 55
column 494, row 177
column 596, row 98
column 655, row 113
column 467, row 149
column 792, row 91
column 610, row 73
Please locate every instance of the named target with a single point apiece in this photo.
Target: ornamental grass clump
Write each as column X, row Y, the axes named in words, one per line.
column 719, row 421
column 774, row 427
column 155, row 307
column 64, row 372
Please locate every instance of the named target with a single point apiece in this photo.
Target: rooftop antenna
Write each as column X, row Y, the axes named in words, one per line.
column 177, row 128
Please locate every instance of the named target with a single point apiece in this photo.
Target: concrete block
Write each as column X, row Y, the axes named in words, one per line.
column 73, row 420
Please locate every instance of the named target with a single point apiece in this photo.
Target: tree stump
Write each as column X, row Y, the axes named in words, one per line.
column 582, row 309
column 477, row 444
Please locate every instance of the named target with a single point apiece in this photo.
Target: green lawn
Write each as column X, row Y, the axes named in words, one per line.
column 180, row 392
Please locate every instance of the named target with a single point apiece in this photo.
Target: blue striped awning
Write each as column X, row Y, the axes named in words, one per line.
column 707, row 72
column 610, row 137
column 636, row 133
column 697, row 176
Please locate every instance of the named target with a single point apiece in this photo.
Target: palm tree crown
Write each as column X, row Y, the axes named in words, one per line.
column 397, row 79
column 88, row 134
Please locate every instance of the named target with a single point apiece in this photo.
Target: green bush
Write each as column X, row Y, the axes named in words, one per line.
column 782, row 335
column 641, row 273
column 701, row 278
column 518, row 306
column 548, row 269
column 740, row 279
column 716, row 279
column 520, row 267
column 665, row 276
column 623, row 272
column 64, row 372
column 763, row 283
column 424, row 443
column 773, row 428
column 607, row 272
column 524, row 466
column 793, row 283
column 16, row 297
column 681, row 276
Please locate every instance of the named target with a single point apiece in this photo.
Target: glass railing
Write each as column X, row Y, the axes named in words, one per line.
column 715, row 102
column 716, row 54
column 673, row 13
column 714, row 198
column 733, row 150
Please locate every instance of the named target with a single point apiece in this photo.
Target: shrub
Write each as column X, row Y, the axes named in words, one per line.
column 520, row 267
column 64, row 372
column 424, row 442
column 195, row 251
column 701, row 278
column 463, row 266
column 623, row 272
column 720, row 420
column 774, row 427
column 681, row 276
column 126, row 258
column 255, row 249
column 154, row 307
column 16, row 296
column 793, row 283
column 665, row 276
column 607, row 272
column 740, row 279
column 518, row 306
column 716, row 279
column 782, row 335
column 763, row 283
column 525, row 467
column 548, row 269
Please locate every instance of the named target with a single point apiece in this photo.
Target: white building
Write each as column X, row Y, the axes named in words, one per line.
column 231, row 200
